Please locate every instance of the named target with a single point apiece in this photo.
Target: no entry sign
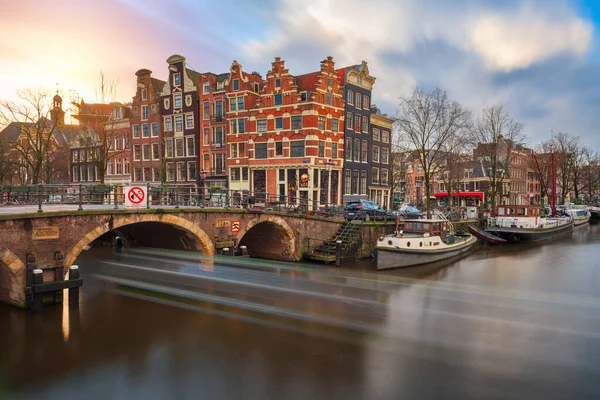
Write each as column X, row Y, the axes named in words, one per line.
column 135, row 196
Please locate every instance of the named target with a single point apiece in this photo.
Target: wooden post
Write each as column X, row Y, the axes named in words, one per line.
column 73, row 292
column 338, row 253
column 38, row 298
column 59, row 275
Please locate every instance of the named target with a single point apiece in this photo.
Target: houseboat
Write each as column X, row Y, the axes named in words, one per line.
column 421, row 241
column 580, row 214
column 525, row 224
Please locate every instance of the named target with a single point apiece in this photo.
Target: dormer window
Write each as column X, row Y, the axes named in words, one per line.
column 176, row 79
column 206, row 87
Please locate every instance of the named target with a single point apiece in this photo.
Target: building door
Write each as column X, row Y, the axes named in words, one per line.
column 259, row 178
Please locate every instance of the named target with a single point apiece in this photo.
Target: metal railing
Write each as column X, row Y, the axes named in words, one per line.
column 165, row 196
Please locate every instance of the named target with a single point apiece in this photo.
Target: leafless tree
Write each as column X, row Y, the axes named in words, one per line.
column 33, row 150
column 565, row 147
column 428, row 122
column 7, row 166
column 497, row 137
column 591, row 173
column 454, row 160
column 97, row 140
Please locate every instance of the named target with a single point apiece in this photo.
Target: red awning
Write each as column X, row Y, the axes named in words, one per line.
column 461, row 194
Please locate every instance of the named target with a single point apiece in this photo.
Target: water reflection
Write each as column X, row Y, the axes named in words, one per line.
column 504, row 322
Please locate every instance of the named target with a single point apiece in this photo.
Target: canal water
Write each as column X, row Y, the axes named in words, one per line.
column 507, row 322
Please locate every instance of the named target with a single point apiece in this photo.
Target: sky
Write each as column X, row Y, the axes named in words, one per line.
column 538, row 58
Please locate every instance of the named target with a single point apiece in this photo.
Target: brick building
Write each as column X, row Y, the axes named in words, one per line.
column 213, row 125
column 118, row 153
column 380, row 160
column 179, row 110
column 295, row 135
column 357, row 87
column 147, row 146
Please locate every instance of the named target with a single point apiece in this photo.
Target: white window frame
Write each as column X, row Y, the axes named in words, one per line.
column 177, row 99
column 189, row 121
column 189, row 139
column 206, row 87
column 145, row 113
column 179, row 118
column 168, row 123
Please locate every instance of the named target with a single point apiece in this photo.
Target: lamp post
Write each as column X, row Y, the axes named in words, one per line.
column 330, row 165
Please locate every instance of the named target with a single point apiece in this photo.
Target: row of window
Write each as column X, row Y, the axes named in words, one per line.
column 180, row 147
column 355, row 181
column 381, row 136
column 357, row 151
column 145, row 131
column 84, row 173
column 117, row 166
column 179, row 120
column 181, row 171
column 221, row 86
column 357, row 99
column 354, row 122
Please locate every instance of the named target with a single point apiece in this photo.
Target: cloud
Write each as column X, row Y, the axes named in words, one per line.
column 466, row 47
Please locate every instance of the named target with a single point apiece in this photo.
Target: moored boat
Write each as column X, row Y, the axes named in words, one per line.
column 421, row 241
column 486, row 237
column 580, row 214
column 518, row 223
column 595, row 212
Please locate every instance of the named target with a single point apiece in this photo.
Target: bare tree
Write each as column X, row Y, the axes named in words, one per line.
column 428, row 122
column 36, row 143
column 591, row 173
column 497, row 137
column 454, row 159
column 97, row 140
column 565, row 147
column 7, row 166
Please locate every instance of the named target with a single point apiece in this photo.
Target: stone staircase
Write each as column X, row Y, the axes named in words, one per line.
column 327, row 251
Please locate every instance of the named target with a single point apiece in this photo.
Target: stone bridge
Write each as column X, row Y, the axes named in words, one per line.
column 52, row 238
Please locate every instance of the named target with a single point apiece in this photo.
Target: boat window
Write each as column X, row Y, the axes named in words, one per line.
column 500, row 211
column 418, row 226
column 520, row 211
column 409, row 225
column 426, row 227
column 436, row 226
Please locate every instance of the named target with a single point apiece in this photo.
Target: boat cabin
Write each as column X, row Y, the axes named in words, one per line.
column 518, row 211
column 433, row 227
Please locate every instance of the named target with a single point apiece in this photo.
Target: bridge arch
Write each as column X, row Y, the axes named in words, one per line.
column 12, row 278
column 254, row 237
column 202, row 240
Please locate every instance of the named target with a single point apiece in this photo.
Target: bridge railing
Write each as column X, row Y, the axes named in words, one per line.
column 167, row 197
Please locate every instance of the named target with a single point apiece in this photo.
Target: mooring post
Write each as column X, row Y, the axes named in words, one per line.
column 338, row 253
column 59, row 275
column 38, row 298
column 116, row 194
column 74, row 291
column 147, row 195
column 80, row 197
column 39, row 199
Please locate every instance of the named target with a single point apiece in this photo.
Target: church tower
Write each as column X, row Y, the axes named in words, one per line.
column 57, row 115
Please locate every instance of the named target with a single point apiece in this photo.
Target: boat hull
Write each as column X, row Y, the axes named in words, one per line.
column 486, row 237
column 388, row 258
column 581, row 221
column 595, row 213
column 520, row 235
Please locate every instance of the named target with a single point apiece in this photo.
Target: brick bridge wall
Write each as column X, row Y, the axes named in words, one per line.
column 266, row 235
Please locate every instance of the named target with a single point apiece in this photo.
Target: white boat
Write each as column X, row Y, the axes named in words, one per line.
column 580, row 214
column 421, row 241
column 520, row 223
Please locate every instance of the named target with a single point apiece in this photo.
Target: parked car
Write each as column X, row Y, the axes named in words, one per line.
column 407, row 212
column 365, row 210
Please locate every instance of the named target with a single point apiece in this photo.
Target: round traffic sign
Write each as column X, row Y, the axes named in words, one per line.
column 136, row 195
